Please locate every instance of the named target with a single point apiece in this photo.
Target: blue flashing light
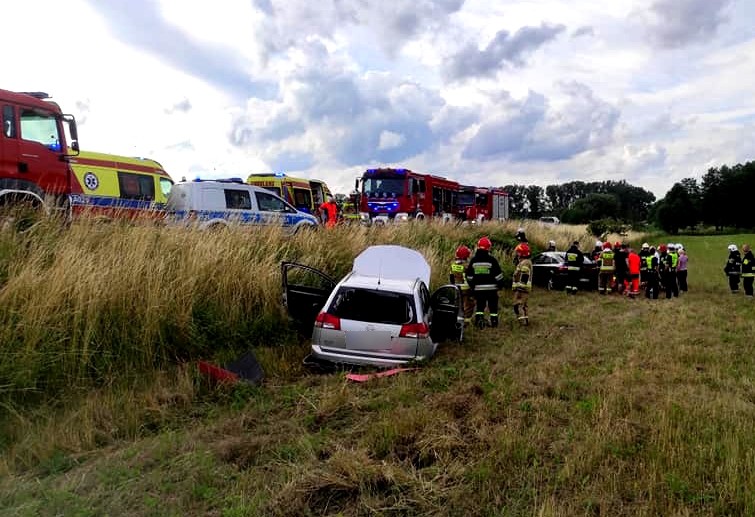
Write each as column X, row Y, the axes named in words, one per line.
column 280, row 175
column 371, row 171
column 197, row 179
column 401, row 171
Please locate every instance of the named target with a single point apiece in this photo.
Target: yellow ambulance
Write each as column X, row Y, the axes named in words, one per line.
column 305, row 195
column 118, row 186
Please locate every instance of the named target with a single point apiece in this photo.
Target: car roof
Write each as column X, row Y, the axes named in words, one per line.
column 392, row 263
column 377, row 284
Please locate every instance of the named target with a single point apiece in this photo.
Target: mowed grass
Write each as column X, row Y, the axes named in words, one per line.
column 603, row 406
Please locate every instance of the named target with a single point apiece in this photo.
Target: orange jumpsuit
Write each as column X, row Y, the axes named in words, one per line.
column 331, row 209
column 633, row 284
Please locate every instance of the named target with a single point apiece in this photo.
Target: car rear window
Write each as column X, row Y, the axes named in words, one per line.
column 372, row 306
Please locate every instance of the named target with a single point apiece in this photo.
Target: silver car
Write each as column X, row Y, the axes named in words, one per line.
column 380, row 314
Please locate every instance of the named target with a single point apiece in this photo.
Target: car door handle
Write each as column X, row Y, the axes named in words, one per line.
column 30, row 155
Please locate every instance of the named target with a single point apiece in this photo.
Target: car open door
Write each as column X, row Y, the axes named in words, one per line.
column 447, row 322
column 305, row 291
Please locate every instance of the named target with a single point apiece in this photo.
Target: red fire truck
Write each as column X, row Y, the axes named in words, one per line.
column 34, row 150
column 402, row 194
column 482, row 204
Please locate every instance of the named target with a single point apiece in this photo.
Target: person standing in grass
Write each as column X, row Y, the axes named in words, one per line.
column 329, row 211
column 644, row 253
column 522, row 284
column 633, row 282
column 748, row 273
column 605, row 278
column 574, row 262
column 459, row 277
column 681, row 268
column 485, row 277
column 733, row 268
column 651, row 274
column 620, row 265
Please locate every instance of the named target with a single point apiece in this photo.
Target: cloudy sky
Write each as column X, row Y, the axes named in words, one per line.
column 483, row 91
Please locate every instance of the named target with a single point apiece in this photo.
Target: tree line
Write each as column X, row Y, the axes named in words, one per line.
column 721, row 199
column 579, row 202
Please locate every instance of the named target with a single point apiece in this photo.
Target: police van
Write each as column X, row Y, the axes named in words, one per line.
column 218, row 203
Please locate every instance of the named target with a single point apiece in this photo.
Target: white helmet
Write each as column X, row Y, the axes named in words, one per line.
column 598, row 244
column 645, row 246
column 552, row 243
column 732, row 247
column 679, row 246
column 670, row 245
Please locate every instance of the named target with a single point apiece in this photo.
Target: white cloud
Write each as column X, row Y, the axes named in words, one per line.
column 647, row 90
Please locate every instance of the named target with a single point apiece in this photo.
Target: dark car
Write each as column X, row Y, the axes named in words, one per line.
column 550, row 271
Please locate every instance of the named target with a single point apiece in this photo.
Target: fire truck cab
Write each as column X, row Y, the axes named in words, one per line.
column 401, row 194
column 34, row 150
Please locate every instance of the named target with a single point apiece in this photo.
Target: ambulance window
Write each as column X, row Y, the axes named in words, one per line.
column 268, row 203
column 41, row 127
column 274, row 190
column 9, row 122
column 302, row 198
column 165, row 186
column 238, row 199
column 136, row 186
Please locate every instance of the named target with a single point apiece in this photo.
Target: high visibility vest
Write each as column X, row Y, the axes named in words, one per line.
column 458, row 271
column 523, row 268
column 570, row 259
column 674, row 259
column 649, row 262
column 606, row 261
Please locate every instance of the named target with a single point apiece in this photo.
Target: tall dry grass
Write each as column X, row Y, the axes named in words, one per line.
column 83, row 305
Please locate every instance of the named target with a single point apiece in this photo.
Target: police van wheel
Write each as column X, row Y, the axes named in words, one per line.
column 217, row 228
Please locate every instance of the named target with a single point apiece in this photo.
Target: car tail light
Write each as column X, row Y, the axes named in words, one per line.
column 414, row 331
column 563, row 268
column 327, row 321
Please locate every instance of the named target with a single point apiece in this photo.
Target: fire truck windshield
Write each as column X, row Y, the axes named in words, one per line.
column 466, row 198
column 384, row 187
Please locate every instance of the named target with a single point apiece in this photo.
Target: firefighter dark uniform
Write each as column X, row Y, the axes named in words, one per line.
column 733, row 268
column 644, row 254
column 522, row 238
column 748, row 270
column 606, row 269
column 668, row 275
column 522, row 285
column 673, row 280
column 574, row 261
column 459, row 277
column 651, row 275
column 485, row 278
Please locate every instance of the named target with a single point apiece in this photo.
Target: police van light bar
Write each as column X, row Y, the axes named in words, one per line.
column 280, row 175
column 401, row 171
column 371, row 171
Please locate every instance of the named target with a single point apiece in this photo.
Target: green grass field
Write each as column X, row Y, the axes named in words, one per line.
column 603, row 406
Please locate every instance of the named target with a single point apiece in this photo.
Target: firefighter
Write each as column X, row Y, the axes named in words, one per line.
column 644, row 253
column 748, row 271
column 459, row 277
column 522, row 284
column 551, row 246
column 620, row 265
column 597, row 251
column 651, row 274
column 329, row 211
column 733, row 268
column 634, row 261
column 667, row 266
column 522, row 238
column 485, row 278
column 606, row 269
column 574, row 262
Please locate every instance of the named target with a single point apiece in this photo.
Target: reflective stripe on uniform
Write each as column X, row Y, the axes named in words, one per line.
column 486, row 287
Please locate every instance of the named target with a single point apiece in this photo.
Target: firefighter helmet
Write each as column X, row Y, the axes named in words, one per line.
column 598, row 244
column 732, row 247
column 552, row 243
column 662, row 248
column 607, row 246
column 462, row 252
column 523, row 250
column 617, row 244
column 645, row 246
column 484, row 243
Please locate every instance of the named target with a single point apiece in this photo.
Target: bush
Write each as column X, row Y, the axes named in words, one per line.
column 603, row 227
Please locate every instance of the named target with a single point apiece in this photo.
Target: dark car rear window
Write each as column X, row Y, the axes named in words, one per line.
column 372, row 306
